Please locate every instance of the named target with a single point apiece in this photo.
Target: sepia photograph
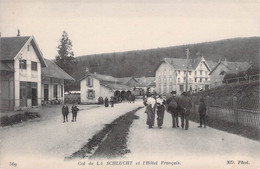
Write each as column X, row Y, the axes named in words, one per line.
column 100, row 84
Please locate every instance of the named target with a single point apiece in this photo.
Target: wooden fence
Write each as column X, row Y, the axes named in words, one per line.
column 231, row 109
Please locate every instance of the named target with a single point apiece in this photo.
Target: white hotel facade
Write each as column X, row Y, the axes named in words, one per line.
column 171, row 75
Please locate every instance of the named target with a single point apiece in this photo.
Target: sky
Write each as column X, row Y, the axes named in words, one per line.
column 104, row 26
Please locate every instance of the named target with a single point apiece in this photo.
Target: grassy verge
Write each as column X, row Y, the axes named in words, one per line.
column 18, row 118
column 110, row 142
column 234, row 128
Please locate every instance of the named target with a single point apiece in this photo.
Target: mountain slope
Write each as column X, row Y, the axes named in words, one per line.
column 143, row 62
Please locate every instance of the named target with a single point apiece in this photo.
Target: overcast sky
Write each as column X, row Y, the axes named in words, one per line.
column 102, row 27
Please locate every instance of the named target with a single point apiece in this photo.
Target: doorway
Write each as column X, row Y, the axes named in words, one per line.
column 34, row 94
column 46, row 92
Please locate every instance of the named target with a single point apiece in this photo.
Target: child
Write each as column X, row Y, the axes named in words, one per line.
column 202, row 112
column 75, row 110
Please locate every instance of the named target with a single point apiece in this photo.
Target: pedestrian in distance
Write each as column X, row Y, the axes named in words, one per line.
column 202, row 112
column 106, row 102
column 160, row 103
column 185, row 109
column 112, row 101
column 74, row 110
column 150, row 110
column 173, row 109
column 133, row 98
column 65, row 112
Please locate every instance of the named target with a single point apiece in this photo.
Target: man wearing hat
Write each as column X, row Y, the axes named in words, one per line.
column 185, row 109
column 172, row 103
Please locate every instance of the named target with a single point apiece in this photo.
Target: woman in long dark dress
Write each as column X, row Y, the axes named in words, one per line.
column 106, row 102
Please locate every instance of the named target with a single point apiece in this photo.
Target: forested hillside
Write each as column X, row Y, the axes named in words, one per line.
column 144, row 62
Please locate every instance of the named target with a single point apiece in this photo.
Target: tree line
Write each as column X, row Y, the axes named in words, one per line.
column 144, row 62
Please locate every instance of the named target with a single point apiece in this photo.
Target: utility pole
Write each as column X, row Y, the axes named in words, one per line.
column 187, row 66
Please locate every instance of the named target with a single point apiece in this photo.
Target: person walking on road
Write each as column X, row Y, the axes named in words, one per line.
column 65, row 112
column 112, row 101
column 202, row 112
column 160, row 102
column 150, row 110
column 106, row 102
column 133, row 98
column 185, row 109
column 172, row 103
column 74, row 110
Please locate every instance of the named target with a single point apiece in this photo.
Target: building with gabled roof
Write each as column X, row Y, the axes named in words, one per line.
column 224, row 67
column 94, row 85
column 22, row 70
column 171, row 75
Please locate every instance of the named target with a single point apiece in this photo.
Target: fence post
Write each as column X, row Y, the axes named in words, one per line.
column 235, row 108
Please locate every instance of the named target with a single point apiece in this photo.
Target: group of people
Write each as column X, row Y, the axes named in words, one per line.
column 65, row 112
column 112, row 100
column 176, row 106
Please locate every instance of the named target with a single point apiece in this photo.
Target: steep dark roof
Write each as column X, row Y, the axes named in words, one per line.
column 110, row 82
column 53, row 70
column 5, row 67
column 10, row 46
column 234, row 67
column 145, row 81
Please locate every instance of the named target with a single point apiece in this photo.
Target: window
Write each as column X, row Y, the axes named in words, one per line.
column 90, row 81
column 28, row 48
column 184, row 79
column 206, row 72
column 61, row 90
column 189, row 72
column 195, row 79
column 34, row 66
column 179, row 71
column 91, row 94
column 181, row 88
column 200, row 79
column 190, row 79
column 22, row 64
column 179, row 80
column 200, row 72
column 195, row 73
column 190, row 87
column 206, row 79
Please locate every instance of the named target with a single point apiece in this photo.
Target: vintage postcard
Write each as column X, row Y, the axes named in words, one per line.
column 128, row 84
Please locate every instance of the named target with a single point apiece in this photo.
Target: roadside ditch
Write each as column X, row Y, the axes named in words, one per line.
column 110, row 142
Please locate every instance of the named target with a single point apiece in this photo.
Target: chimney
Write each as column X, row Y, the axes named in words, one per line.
column 0, row 34
column 18, row 33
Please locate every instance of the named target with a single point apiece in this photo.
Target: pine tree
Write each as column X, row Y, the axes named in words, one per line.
column 65, row 53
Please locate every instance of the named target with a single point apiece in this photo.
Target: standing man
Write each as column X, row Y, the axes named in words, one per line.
column 133, row 98
column 185, row 109
column 172, row 103
column 74, row 110
column 150, row 110
column 160, row 102
column 65, row 112
column 202, row 112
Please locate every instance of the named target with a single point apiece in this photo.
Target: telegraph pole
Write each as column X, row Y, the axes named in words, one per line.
column 187, row 66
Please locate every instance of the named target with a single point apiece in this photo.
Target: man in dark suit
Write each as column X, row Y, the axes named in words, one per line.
column 65, row 112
